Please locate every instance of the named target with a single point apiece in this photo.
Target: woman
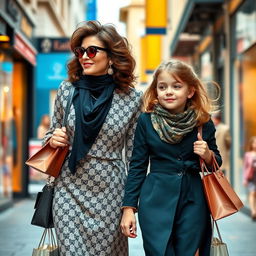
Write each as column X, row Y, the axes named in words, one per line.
column 172, row 210
column 101, row 123
column 249, row 175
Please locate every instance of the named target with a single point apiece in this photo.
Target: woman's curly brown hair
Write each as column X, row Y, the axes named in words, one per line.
column 118, row 50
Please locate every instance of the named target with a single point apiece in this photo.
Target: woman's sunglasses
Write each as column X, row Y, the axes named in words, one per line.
column 91, row 51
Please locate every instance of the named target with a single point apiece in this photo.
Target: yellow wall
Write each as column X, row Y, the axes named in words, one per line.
column 249, row 93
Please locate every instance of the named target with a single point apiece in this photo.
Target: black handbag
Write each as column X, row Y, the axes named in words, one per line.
column 42, row 216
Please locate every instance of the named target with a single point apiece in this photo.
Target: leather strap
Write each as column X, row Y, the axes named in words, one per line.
column 200, row 130
column 70, row 97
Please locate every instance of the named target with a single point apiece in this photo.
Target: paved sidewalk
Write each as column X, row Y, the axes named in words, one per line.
column 18, row 237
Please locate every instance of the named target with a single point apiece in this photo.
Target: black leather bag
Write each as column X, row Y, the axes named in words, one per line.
column 43, row 207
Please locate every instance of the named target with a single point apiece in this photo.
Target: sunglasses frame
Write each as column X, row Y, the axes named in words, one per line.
column 97, row 48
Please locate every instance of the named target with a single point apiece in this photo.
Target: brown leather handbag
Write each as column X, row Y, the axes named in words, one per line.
column 49, row 160
column 221, row 197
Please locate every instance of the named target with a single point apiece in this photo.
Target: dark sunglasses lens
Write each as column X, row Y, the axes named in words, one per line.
column 79, row 52
column 91, row 51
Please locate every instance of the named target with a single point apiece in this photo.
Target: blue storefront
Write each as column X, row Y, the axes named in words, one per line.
column 51, row 69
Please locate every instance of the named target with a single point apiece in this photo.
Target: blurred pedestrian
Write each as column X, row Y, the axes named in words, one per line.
column 101, row 123
column 172, row 210
column 43, row 126
column 249, row 175
column 223, row 141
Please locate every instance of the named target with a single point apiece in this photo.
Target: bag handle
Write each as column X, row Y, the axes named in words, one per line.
column 214, row 223
column 202, row 163
column 70, row 97
column 214, row 165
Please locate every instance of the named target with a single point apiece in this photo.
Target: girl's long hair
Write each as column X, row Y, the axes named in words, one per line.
column 118, row 51
column 183, row 72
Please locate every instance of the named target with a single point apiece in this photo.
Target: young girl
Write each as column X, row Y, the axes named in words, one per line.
column 250, row 175
column 173, row 213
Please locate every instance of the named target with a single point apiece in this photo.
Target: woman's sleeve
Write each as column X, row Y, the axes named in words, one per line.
column 131, row 131
column 138, row 165
column 56, row 119
column 211, row 141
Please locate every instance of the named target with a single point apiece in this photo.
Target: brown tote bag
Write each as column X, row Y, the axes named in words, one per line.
column 49, row 160
column 221, row 198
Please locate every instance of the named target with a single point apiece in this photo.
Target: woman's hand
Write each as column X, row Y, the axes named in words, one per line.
column 59, row 138
column 128, row 223
column 201, row 148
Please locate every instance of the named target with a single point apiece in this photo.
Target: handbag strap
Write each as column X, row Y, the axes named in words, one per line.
column 215, row 165
column 70, row 97
column 202, row 163
column 214, row 223
column 203, row 167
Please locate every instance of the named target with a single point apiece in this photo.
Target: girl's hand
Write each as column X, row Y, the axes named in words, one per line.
column 59, row 138
column 128, row 223
column 201, row 148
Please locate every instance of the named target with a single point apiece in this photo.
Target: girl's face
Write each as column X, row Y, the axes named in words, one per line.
column 97, row 65
column 172, row 94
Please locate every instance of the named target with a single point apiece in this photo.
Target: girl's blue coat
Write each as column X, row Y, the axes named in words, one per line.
column 174, row 172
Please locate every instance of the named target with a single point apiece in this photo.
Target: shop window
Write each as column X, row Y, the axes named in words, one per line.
column 246, row 26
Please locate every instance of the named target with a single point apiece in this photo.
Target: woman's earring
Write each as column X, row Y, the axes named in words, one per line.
column 110, row 70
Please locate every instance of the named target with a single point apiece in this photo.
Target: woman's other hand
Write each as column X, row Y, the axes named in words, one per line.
column 128, row 223
column 59, row 138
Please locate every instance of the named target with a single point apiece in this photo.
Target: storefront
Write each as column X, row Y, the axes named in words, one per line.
column 226, row 53
column 244, row 84
column 7, row 139
column 17, row 61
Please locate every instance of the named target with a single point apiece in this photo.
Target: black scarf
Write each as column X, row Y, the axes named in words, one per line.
column 92, row 101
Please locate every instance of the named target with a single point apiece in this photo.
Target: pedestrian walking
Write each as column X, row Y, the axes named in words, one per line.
column 43, row 126
column 249, row 175
column 223, row 141
column 172, row 210
column 101, row 123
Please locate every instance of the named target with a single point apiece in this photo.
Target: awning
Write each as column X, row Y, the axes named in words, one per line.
column 196, row 17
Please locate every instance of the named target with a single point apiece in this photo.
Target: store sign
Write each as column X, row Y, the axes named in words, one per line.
column 51, row 69
column 19, row 18
column 13, row 10
column 24, row 49
column 47, row 45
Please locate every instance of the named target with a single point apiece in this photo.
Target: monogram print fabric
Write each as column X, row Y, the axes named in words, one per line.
column 87, row 204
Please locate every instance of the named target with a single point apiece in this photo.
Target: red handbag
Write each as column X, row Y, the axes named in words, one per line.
column 221, row 197
column 49, row 160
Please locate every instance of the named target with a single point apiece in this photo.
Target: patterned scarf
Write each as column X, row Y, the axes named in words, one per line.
column 172, row 127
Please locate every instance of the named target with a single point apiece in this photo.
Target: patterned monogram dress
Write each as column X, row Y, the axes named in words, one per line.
column 86, row 205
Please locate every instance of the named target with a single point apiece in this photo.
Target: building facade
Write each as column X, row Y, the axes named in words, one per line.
column 224, row 51
column 218, row 37
column 17, row 64
column 21, row 23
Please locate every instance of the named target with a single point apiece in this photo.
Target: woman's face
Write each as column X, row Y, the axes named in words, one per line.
column 97, row 65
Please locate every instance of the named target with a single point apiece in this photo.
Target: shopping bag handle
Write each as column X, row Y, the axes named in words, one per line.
column 214, row 165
